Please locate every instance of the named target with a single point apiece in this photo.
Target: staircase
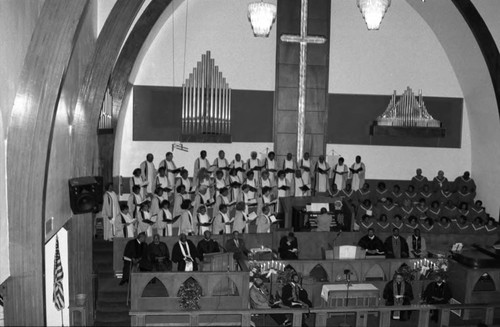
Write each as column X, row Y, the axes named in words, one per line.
column 111, row 307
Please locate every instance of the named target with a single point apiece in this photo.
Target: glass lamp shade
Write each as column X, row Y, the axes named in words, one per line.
column 373, row 12
column 261, row 16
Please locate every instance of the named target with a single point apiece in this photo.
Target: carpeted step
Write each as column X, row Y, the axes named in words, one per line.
column 116, row 307
column 112, row 324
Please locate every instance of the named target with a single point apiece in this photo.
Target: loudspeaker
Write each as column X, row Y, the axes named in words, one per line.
column 85, row 193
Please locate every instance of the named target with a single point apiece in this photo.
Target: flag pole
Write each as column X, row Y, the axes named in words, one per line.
column 62, row 318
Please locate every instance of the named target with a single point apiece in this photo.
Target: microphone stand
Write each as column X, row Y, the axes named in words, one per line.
column 347, row 274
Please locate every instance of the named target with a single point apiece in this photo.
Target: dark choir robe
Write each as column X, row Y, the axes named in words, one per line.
column 393, row 252
column 292, row 293
column 286, row 248
column 134, row 250
column 207, row 246
column 159, row 256
column 178, row 257
column 405, row 290
column 371, row 244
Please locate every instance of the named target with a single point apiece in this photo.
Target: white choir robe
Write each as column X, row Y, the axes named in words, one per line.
column 220, row 224
column 306, row 175
column 141, row 182
column 164, row 222
column 186, row 223
column 358, row 179
column 283, row 193
column 198, row 164
column 289, row 164
column 186, row 182
column 155, row 209
column 169, row 167
column 219, row 183
column 235, row 191
column 272, row 165
column 144, row 227
column 202, row 199
column 252, row 183
column 239, row 164
column 128, row 224
column 298, row 184
column 220, row 199
column 110, row 215
column 148, row 173
column 339, row 179
column 251, row 163
column 162, row 181
column 203, row 219
column 222, row 163
column 322, row 179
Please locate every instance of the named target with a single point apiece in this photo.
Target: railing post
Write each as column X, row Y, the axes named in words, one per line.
column 297, row 319
column 445, row 318
column 194, row 319
column 385, row 318
column 246, row 319
column 488, row 319
column 423, row 317
column 361, row 318
column 138, row 320
column 321, row 319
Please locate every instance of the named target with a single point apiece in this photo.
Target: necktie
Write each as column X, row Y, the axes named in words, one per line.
column 237, row 243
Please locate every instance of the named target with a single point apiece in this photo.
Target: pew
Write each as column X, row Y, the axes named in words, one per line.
column 311, row 243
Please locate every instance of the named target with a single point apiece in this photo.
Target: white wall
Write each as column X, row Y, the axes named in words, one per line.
column 54, row 316
column 392, row 58
column 361, row 62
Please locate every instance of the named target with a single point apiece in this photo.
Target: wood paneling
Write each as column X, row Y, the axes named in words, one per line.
column 29, row 136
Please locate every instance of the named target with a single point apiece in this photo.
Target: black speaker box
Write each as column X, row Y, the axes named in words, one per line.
column 85, row 194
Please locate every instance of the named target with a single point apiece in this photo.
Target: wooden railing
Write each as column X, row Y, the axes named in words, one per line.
column 194, row 318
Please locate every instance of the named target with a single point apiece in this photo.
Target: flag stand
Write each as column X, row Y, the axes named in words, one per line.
column 62, row 318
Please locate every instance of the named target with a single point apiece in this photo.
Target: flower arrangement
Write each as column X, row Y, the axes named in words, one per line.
column 189, row 295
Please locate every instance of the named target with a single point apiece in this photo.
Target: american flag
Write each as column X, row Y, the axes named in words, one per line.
column 58, row 296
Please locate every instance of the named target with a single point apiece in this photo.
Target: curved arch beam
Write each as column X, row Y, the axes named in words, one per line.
column 96, row 79
column 130, row 51
column 28, row 152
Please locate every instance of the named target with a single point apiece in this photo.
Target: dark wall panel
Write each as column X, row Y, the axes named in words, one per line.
column 351, row 116
column 157, row 114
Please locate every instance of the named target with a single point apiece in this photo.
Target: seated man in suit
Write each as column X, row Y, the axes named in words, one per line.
column 288, row 247
column 371, row 243
column 259, row 299
column 159, row 255
column 396, row 246
column 135, row 254
column 293, row 295
column 236, row 245
column 416, row 244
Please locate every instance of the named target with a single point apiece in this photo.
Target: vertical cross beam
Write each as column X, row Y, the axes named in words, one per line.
column 303, row 39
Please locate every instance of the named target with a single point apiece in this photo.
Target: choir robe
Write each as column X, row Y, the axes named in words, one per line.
column 111, row 216
column 253, row 183
column 240, row 222
column 142, row 216
column 460, row 182
column 374, row 243
column 349, row 197
column 133, row 203
column 391, row 252
column 203, row 219
column 413, row 246
column 444, row 197
column 138, row 180
column 289, row 164
column 235, row 191
column 464, row 197
column 222, row 163
column 169, row 168
column 283, row 193
column 322, row 180
column 299, row 182
column 406, row 212
column 219, row 184
column 162, row 181
column 358, row 179
column 251, row 163
column 155, row 210
column 219, row 224
column 389, row 211
column 203, row 199
column 187, row 223
column 339, row 176
column 263, row 224
column 361, row 196
column 478, row 212
column 179, row 258
column 148, row 173
column 306, row 175
column 379, row 196
column 397, row 198
column 439, row 184
column 165, row 222
column 463, row 228
column 220, row 199
column 271, row 167
column 450, row 212
column 238, row 164
column 435, row 214
column 186, row 182
column 128, row 225
column 382, row 227
column 198, row 164
column 419, row 182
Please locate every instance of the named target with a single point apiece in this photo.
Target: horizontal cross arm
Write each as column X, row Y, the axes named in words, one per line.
column 299, row 39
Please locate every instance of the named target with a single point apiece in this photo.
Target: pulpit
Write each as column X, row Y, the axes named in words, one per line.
column 357, row 295
column 348, row 252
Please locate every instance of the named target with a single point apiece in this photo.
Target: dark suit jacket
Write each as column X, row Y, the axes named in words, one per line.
column 136, row 250
column 285, row 248
column 287, row 295
column 239, row 251
column 389, row 293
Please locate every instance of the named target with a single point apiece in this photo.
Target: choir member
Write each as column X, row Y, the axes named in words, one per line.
column 170, row 167
column 358, row 171
column 138, row 179
column 305, row 165
column 239, row 165
column 419, row 180
column 200, row 162
column 222, row 222
column 301, row 187
column 254, row 164
column 465, row 180
column 271, row 166
column 187, row 224
column 339, row 174
column 111, row 214
column 148, row 173
column 222, row 164
column 289, row 166
column 397, row 195
column 204, row 221
column 127, row 222
column 264, row 221
column 439, row 182
column 240, row 218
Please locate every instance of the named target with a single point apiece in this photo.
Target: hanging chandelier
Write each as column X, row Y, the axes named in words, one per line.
column 373, row 11
column 261, row 16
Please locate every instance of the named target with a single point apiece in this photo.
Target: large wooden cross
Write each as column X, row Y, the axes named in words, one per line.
column 303, row 39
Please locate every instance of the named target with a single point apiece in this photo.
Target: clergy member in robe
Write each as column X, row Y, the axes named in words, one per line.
column 148, row 173
column 371, row 243
column 185, row 254
column 339, row 174
column 357, row 173
column 135, row 251
column 439, row 182
column 111, row 214
column 416, row 245
column 187, row 223
column 398, row 292
column 159, row 255
column 200, row 162
column 437, row 292
column 289, row 247
column 396, row 246
column 128, row 224
column 236, row 245
column 322, row 173
column 207, row 245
